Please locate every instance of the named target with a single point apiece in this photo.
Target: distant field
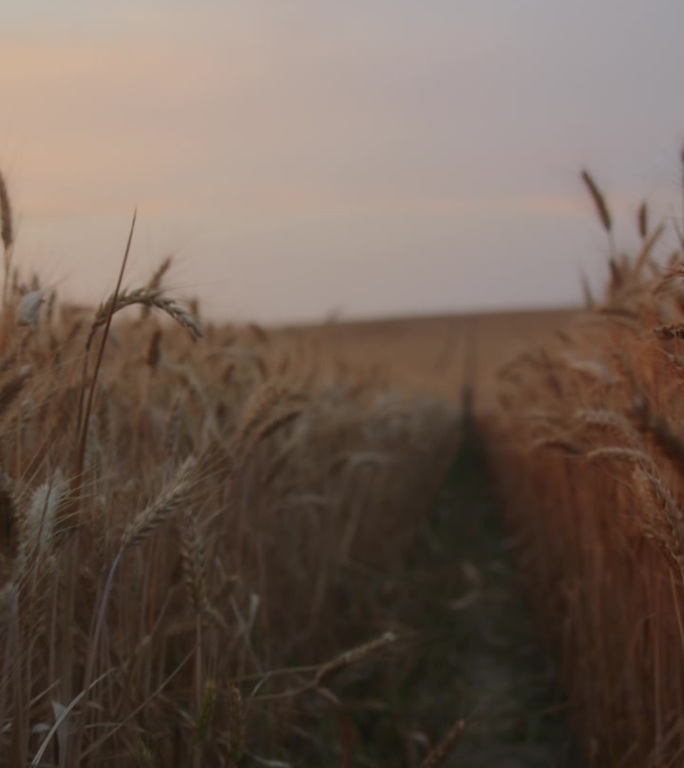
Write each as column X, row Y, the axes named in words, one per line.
column 436, row 351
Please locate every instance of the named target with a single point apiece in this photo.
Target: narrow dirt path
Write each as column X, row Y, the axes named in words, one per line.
column 468, row 652
column 473, row 654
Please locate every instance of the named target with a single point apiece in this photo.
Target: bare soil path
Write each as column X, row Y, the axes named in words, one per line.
column 473, row 652
column 476, row 655
column 468, row 652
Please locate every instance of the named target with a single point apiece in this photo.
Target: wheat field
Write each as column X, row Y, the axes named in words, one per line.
column 197, row 520
column 587, row 446
column 184, row 510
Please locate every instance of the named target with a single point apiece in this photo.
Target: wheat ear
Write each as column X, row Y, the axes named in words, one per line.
column 6, row 234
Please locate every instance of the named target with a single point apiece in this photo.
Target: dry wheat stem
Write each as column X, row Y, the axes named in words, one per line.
column 353, row 656
column 445, row 748
column 84, row 415
column 142, row 526
column 599, row 201
column 236, row 724
column 642, row 220
column 6, row 235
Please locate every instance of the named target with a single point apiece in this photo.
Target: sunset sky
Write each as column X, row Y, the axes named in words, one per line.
column 303, row 157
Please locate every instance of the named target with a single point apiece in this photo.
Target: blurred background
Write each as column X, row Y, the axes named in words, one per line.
column 360, row 159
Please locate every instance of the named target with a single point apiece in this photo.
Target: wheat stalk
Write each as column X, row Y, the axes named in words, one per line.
column 445, row 748
column 29, row 308
column 353, row 656
column 149, row 298
column 599, row 201
column 148, row 519
column 642, row 220
column 236, row 725
column 6, row 234
column 155, row 282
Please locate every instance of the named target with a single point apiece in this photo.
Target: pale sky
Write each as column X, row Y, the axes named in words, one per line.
column 362, row 157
